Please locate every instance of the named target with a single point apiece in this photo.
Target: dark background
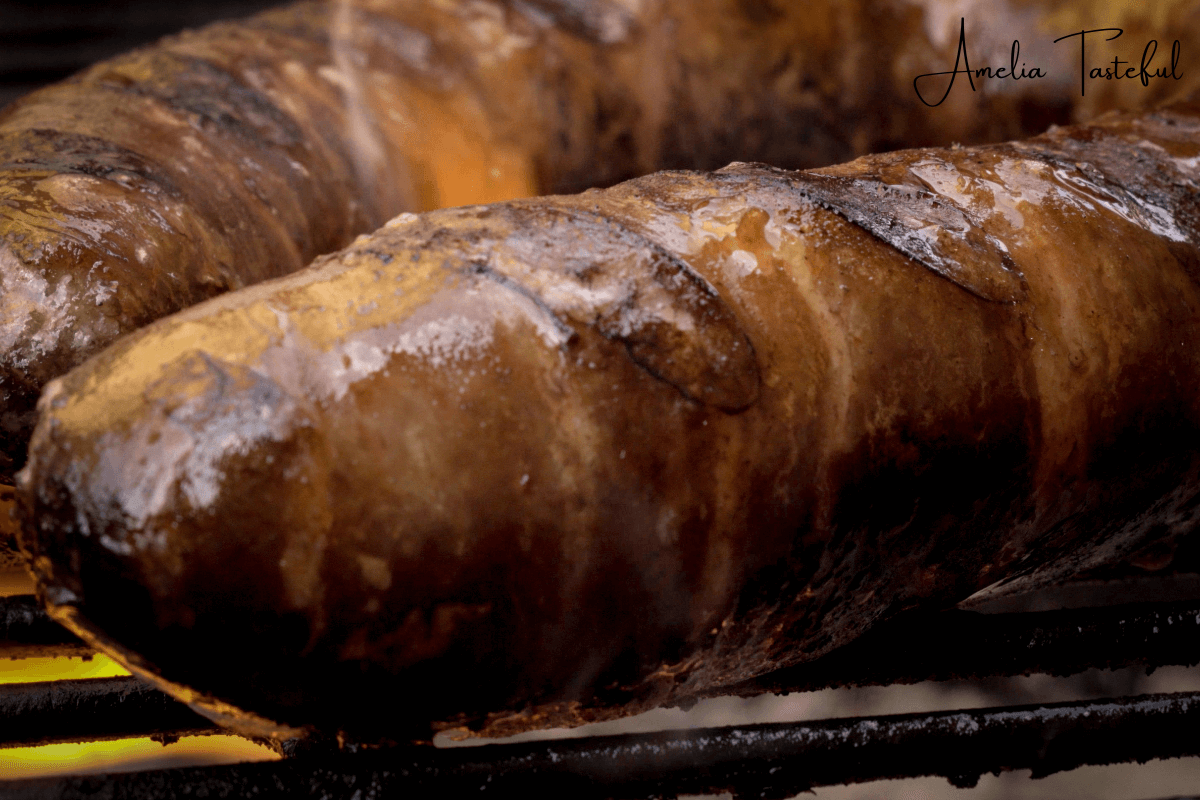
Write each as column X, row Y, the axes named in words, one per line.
column 42, row 42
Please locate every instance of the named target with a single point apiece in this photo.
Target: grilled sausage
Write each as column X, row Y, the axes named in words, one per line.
column 553, row 460
column 217, row 159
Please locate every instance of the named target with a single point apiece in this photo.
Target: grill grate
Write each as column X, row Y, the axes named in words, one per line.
column 916, row 647
column 91, row 710
column 964, row 644
column 754, row 761
column 775, row 760
column 26, row 631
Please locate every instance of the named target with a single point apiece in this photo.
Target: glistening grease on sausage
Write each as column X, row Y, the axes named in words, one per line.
column 549, row 461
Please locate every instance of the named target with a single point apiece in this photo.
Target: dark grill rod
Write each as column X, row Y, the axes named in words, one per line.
column 912, row 648
column 87, row 710
column 26, row 631
column 767, row 761
column 964, row 644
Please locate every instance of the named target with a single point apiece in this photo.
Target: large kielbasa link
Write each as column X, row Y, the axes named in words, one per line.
column 552, row 460
column 219, row 158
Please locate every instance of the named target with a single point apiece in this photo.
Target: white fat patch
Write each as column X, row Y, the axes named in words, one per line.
column 1024, row 180
column 981, row 197
column 335, row 76
column 1027, row 181
column 445, row 333
column 940, row 177
column 401, row 220
column 193, row 144
column 204, row 476
column 719, row 218
column 149, row 492
column 77, row 193
column 774, row 229
column 744, row 262
column 575, row 296
column 349, row 74
column 194, row 442
column 33, row 315
column 148, row 471
column 516, row 309
column 1073, row 188
column 497, row 41
column 440, row 342
column 1187, row 165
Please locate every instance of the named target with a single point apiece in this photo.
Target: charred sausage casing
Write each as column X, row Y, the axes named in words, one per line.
column 553, row 460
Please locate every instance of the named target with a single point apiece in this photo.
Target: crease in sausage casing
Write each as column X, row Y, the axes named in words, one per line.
column 556, row 460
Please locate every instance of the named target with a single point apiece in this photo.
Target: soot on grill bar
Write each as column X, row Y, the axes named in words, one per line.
column 1086, row 686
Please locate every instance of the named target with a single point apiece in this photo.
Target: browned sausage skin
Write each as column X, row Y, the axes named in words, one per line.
column 223, row 157
column 219, row 158
column 554, row 460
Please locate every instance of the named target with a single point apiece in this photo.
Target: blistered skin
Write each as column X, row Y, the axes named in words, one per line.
column 220, row 158
column 542, row 462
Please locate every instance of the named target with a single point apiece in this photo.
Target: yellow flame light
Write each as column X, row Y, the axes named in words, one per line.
column 122, row 755
column 127, row 755
column 28, row 670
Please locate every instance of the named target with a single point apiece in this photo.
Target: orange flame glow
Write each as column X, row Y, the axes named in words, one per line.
column 127, row 755
column 122, row 755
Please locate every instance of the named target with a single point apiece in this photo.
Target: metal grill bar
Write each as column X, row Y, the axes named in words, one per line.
column 761, row 761
column 940, row 646
column 964, row 644
column 27, row 632
column 93, row 709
